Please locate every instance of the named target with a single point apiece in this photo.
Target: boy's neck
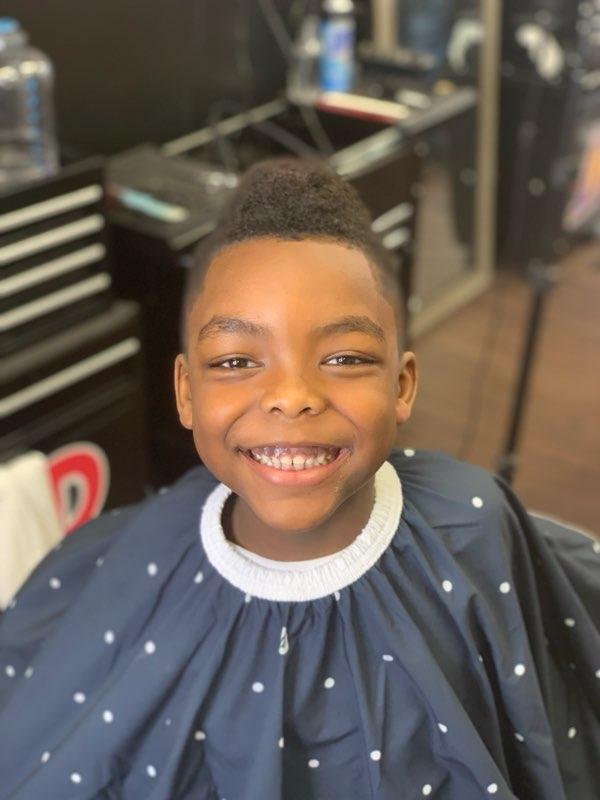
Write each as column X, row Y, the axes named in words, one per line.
column 244, row 528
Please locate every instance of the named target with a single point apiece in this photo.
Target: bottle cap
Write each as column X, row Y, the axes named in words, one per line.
column 338, row 6
column 8, row 25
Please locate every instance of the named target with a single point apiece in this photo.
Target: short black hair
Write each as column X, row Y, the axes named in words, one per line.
column 296, row 199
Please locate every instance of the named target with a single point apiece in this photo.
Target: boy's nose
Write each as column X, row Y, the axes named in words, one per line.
column 293, row 395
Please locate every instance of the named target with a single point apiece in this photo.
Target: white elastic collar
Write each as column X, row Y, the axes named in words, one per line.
column 257, row 580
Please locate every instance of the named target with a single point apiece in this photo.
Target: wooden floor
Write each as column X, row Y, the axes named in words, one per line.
column 468, row 367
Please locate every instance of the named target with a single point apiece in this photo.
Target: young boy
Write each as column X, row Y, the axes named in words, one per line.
column 312, row 613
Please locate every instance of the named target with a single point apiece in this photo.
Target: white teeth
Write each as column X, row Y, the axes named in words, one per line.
column 295, row 463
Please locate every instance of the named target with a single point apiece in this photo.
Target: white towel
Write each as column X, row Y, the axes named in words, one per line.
column 29, row 522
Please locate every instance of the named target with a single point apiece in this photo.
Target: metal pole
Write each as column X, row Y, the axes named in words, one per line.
column 543, row 279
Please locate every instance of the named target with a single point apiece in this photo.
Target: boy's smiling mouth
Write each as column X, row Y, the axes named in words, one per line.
column 300, row 464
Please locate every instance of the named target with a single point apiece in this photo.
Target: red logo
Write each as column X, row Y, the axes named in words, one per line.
column 80, row 475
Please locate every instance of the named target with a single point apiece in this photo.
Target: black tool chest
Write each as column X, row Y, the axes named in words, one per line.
column 54, row 262
column 71, row 355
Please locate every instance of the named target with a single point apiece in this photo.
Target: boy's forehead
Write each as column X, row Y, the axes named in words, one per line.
column 259, row 270
column 308, row 284
column 306, row 289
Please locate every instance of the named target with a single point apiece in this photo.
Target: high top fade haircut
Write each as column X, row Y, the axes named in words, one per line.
column 296, row 199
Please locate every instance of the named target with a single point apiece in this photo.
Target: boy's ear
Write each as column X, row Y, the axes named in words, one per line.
column 407, row 388
column 183, row 393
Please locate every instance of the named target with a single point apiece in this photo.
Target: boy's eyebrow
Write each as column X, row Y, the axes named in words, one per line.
column 347, row 324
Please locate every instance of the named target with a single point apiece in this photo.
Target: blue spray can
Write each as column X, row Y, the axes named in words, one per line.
column 338, row 33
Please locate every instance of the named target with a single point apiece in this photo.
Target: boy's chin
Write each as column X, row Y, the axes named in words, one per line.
column 294, row 521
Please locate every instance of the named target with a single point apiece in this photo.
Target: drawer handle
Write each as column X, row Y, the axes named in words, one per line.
column 43, row 241
column 52, row 269
column 400, row 213
column 68, row 376
column 36, row 308
column 50, row 208
column 397, row 238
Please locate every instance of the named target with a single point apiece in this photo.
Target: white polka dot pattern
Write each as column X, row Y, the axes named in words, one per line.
column 75, row 777
column 55, row 583
column 409, row 452
column 105, row 716
column 477, row 502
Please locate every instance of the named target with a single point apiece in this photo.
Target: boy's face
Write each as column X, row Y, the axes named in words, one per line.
column 241, row 389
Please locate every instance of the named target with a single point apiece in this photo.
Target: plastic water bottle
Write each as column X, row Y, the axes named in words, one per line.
column 303, row 76
column 28, row 149
column 338, row 33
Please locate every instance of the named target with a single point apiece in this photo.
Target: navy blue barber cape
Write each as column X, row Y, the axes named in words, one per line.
column 452, row 651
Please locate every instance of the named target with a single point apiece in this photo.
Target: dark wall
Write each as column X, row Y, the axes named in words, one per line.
column 129, row 71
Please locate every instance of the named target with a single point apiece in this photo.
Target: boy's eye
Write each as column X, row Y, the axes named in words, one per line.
column 240, row 362
column 355, row 359
column 234, row 360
